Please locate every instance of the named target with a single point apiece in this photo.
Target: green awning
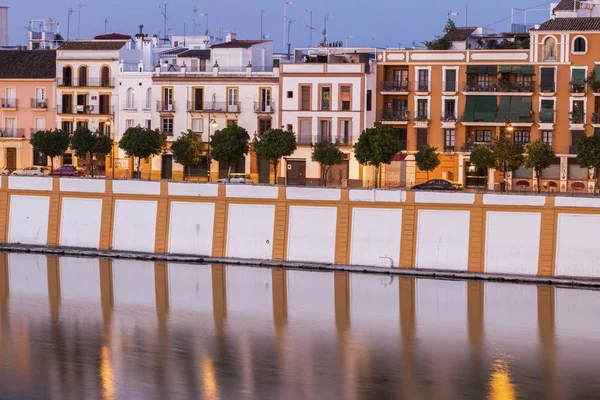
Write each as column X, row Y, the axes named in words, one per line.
column 578, row 76
column 485, row 109
column 469, row 108
column 547, row 111
column 517, row 69
column 597, row 73
column 504, row 108
column 492, row 69
column 482, row 69
column 528, row 70
column 520, row 109
column 505, row 69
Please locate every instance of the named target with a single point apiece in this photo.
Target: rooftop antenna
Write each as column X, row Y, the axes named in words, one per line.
column 310, row 27
column 81, row 5
column 163, row 7
column 285, row 6
column 105, row 23
column 289, row 44
column 71, row 11
column 262, row 35
column 347, row 40
column 194, row 13
column 205, row 14
column 452, row 14
column 324, row 40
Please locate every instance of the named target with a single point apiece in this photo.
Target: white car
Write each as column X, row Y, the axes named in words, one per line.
column 244, row 179
column 31, row 171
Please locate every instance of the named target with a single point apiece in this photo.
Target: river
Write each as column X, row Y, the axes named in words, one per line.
column 75, row 328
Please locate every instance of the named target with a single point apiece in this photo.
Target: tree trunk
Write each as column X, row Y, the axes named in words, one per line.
column 228, row 171
column 376, row 175
column 537, row 177
column 92, row 164
column 52, row 164
column 275, row 165
column 427, row 172
column 595, row 181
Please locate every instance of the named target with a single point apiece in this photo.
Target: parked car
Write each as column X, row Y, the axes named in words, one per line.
column 31, row 171
column 244, row 179
column 436, row 184
column 68, row 170
column 7, row 171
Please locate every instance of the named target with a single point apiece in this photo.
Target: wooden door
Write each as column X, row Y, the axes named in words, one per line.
column 264, row 171
column 166, row 171
column 11, row 158
column 296, row 172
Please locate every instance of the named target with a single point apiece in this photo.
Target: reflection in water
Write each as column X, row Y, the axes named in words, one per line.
column 100, row 329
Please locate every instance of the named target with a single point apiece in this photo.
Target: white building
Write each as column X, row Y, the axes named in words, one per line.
column 326, row 95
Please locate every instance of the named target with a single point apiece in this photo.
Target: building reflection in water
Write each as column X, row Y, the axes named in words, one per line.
column 94, row 328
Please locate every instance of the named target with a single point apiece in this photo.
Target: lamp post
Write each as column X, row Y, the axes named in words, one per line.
column 211, row 124
column 112, row 151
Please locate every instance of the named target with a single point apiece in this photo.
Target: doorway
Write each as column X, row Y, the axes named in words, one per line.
column 475, row 177
column 296, row 172
column 166, row 171
column 264, row 171
column 11, row 158
column 338, row 174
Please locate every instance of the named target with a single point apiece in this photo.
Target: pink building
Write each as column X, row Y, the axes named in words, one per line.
column 27, row 87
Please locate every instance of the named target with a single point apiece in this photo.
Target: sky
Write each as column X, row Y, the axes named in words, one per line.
column 381, row 23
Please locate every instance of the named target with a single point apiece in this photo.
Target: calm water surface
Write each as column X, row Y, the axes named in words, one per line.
column 99, row 329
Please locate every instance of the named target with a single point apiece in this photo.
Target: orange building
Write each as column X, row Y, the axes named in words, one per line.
column 466, row 96
column 27, row 85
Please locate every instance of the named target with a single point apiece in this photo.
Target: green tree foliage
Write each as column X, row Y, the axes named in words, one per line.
column 376, row 146
column 507, row 155
column 229, row 145
column 51, row 143
column 588, row 155
column 538, row 156
column 188, row 150
column 427, row 159
column 442, row 42
column 85, row 142
column 274, row 144
column 141, row 143
column 482, row 157
column 327, row 154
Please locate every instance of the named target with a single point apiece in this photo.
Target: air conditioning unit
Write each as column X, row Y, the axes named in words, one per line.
column 80, row 108
column 90, row 108
column 41, row 104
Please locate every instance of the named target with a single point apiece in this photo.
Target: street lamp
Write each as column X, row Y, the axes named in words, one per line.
column 212, row 124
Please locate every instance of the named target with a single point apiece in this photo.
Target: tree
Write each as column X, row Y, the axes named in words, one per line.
column 427, row 159
column 507, row 155
column 274, row 144
column 51, row 143
column 538, row 156
column 588, row 155
column 376, row 146
column 442, row 42
column 483, row 157
column 327, row 154
column 85, row 142
column 188, row 150
column 229, row 145
column 142, row 143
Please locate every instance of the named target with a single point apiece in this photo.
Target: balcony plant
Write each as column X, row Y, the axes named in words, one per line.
column 538, row 156
column 421, row 118
column 273, row 145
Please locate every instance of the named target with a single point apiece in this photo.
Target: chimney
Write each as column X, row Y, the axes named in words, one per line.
column 231, row 36
column 141, row 29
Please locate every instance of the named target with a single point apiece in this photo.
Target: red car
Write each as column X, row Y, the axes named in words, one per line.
column 68, row 170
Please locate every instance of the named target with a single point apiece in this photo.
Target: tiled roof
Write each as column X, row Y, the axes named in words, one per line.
column 237, row 44
column 202, row 54
column 571, row 24
column 27, row 64
column 113, row 36
column 460, row 34
column 567, row 5
column 92, row 45
column 174, row 51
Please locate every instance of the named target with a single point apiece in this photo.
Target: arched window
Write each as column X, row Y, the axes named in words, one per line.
column 147, row 106
column 67, row 76
column 579, row 45
column 549, row 51
column 130, row 99
column 105, row 77
column 83, row 76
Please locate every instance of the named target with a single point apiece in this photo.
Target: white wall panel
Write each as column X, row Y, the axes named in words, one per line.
column 376, row 234
column 311, row 234
column 443, row 240
column 134, row 226
column 513, row 200
column 252, row 192
column 300, row 193
column 250, row 231
column 28, row 275
column 512, row 242
column 193, row 189
column 136, row 187
column 80, row 279
column 29, row 183
column 577, row 245
column 80, row 222
column 191, row 228
column 133, row 283
column 28, row 219
column 82, row 185
column 444, row 198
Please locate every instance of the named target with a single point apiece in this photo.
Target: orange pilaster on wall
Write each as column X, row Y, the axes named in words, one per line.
column 476, row 236
column 162, row 220
column 409, row 233
column 106, row 222
column 220, row 227
column 342, row 242
column 548, row 234
column 280, row 231
column 4, row 205
column 54, row 214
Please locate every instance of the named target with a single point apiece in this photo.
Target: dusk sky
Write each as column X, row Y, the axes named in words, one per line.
column 370, row 22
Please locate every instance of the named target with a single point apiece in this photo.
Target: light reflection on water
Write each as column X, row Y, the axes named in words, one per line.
column 99, row 329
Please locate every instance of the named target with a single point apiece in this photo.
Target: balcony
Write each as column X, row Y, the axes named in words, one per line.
column 395, row 86
column 506, row 86
column 39, row 104
column 344, row 139
column 90, row 82
column 577, row 117
column 422, row 87
column 548, row 87
column 195, row 106
column 596, row 118
column 470, row 145
column 262, row 108
column 480, row 87
column 305, row 140
column 449, row 148
column 130, row 106
column 222, row 107
column 495, row 118
column 9, row 103
column 12, row 132
column 547, row 117
column 579, row 88
column 394, row 116
column 85, row 109
column 165, row 106
column 449, row 117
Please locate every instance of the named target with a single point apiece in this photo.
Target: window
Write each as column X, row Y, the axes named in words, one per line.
column 10, row 127
column 290, row 94
column 305, row 136
column 577, row 112
column 579, row 45
column 421, row 137
column 83, row 81
column 547, row 111
column 400, row 77
column 105, row 77
column 40, row 124
column 325, row 98
column 521, row 136
column 423, row 84
column 130, row 99
column 265, row 100
column 129, row 123
column 449, row 139
column 450, row 80
column 547, row 79
column 401, row 135
column 369, row 100
column 148, row 104
column 345, row 98
column 289, row 127
column 67, row 126
column 576, row 136
column 449, row 110
column 40, row 95
column 305, row 98
column 324, row 130
column 549, row 49
column 82, row 124
column 483, row 136
column 197, row 125
column 264, row 125
column 67, row 159
column 167, row 99
column 523, row 80
column 11, row 98
column 67, row 76
column 167, row 126
column 198, row 102
column 547, row 137
column 422, row 109
column 148, row 124
column 104, row 128
column 345, row 132
column 484, row 81
column 232, row 96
